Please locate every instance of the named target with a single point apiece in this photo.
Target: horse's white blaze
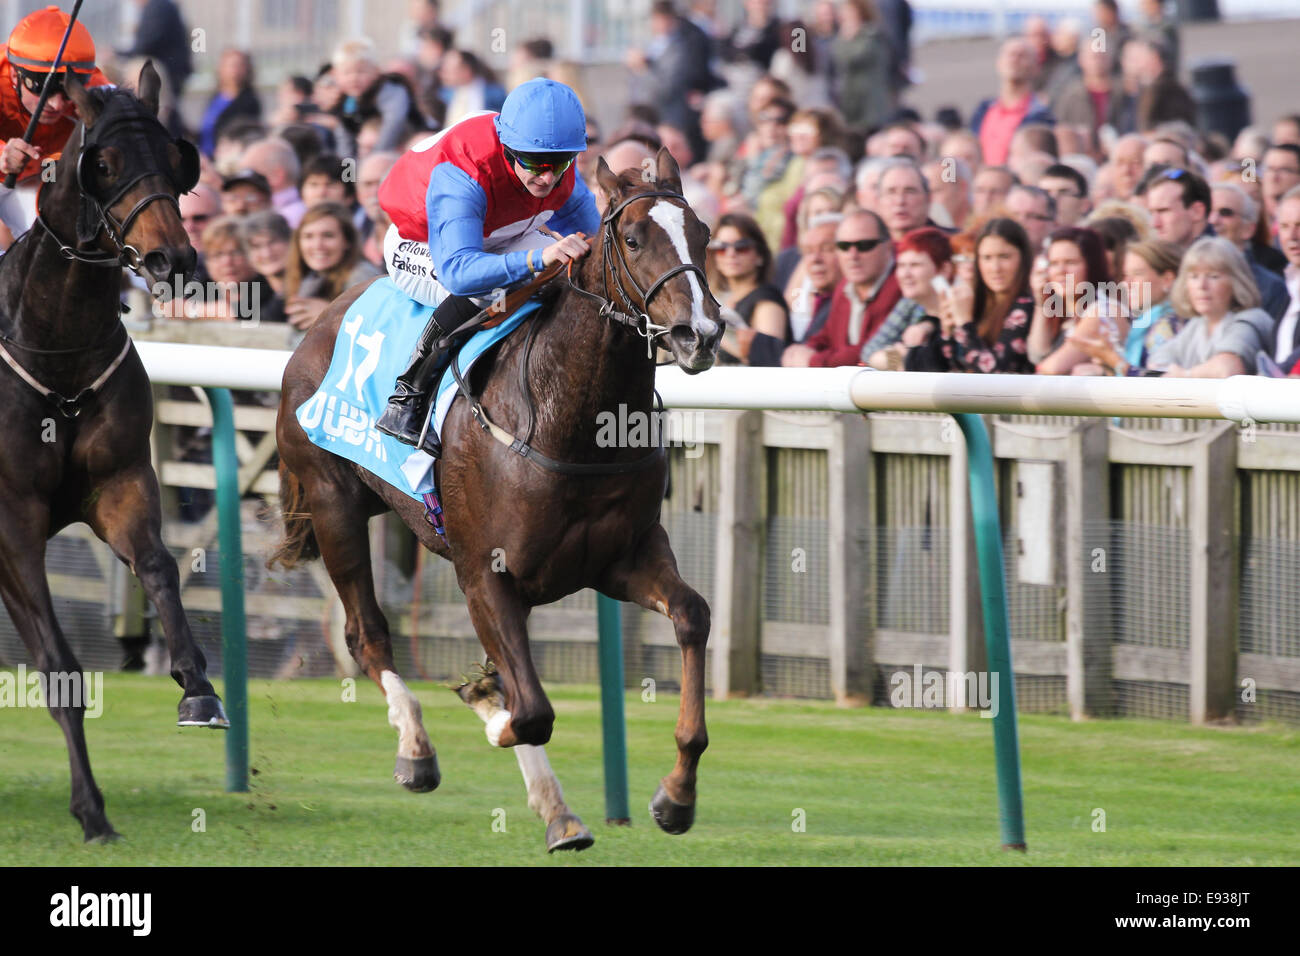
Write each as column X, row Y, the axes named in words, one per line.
column 672, row 220
column 405, row 714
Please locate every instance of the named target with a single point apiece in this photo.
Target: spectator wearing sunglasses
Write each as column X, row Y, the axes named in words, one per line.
column 739, row 267
column 199, row 206
column 863, row 300
column 25, row 63
column 466, row 206
column 1234, row 216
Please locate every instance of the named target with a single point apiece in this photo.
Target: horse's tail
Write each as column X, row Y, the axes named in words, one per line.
column 299, row 542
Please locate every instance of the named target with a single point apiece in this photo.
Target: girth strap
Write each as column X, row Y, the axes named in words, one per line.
column 69, row 407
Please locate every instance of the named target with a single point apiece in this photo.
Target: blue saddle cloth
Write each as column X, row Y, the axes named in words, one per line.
column 373, row 347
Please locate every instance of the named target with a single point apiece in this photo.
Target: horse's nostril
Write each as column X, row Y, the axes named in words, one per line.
column 158, row 263
column 685, row 337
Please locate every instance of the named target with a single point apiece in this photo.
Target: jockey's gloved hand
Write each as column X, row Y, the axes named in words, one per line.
column 570, row 247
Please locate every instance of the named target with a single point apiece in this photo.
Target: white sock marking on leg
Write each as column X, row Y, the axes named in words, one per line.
column 404, row 713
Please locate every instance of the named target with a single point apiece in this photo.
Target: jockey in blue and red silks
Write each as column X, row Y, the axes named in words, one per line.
column 466, row 206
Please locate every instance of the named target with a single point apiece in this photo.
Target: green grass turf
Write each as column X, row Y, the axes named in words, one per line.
column 877, row 786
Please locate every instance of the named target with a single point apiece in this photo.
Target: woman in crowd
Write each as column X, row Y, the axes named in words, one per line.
column 1116, row 233
column 325, row 259
column 233, row 289
column 234, row 99
column 739, row 267
column 1150, row 269
column 1078, row 274
column 767, row 169
column 919, row 257
column 1227, row 329
column 267, row 238
column 984, row 329
column 861, row 66
column 364, row 92
column 322, row 180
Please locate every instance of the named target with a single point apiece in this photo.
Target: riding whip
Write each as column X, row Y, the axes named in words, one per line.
column 12, row 178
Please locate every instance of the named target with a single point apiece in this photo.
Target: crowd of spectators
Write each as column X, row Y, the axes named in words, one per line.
column 1076, row 223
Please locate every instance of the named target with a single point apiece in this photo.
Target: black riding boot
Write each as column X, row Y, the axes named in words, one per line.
column 408, row 405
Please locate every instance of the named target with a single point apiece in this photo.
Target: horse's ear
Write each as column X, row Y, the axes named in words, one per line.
column 147, row 87
column 670, row 175
column 608, row 180
column 87, row 108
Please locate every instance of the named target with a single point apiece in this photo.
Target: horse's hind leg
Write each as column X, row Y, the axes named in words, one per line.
column 126, row 514
column 564, row 831
column 339, row 520
column 648, row 576
column 26, row 595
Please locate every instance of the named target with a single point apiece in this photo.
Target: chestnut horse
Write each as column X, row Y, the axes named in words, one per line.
column 76, row 399
column 570, row 515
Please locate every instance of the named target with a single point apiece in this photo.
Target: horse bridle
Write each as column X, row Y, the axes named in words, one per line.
column 636, row 317
column 127, row 255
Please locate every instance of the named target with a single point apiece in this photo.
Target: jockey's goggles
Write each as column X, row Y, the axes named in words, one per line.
column 540, row 163
column 35, row 82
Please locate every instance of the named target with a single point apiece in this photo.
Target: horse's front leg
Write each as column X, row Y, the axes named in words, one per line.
column 125, row 513
column 648, row 576
column 26, row 595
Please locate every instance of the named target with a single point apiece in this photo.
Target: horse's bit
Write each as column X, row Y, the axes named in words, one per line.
column 636, row 317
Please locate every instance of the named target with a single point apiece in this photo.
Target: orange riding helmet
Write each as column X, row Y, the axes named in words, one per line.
column 34, row 43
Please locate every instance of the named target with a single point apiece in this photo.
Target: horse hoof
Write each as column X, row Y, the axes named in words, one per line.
column 202, row 712
column 418, row 774
column 672, row 817
column 567, row 832
column 108, row 836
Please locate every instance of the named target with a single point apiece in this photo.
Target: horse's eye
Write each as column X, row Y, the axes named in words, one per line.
column 631, row 243
column 101, row 167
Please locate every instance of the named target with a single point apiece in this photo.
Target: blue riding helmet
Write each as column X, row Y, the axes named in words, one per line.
column 542, row 116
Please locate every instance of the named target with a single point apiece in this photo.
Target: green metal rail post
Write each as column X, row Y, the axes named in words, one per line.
column 997, row 636
column 612, row 723
column 234, row 649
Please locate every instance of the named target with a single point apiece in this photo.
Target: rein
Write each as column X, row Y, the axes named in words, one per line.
column 127, row 256
column 635, row 317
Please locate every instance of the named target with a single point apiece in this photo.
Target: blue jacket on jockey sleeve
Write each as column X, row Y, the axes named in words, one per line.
column 457, row 209
column 456, row 191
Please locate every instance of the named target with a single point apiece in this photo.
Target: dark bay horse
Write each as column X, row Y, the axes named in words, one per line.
column 521, row 534
column 77, row 403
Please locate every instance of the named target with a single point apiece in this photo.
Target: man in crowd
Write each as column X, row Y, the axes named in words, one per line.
column 902, row 197
column 1288, row 236
column 863, row 300
column 1279, row 174
column 1126, row 164
column 996, row 119
column 275, row 160
column 949, row 179
column 808, row 296
column 1069, row 188
column 992, row 183
column 1035, row 210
